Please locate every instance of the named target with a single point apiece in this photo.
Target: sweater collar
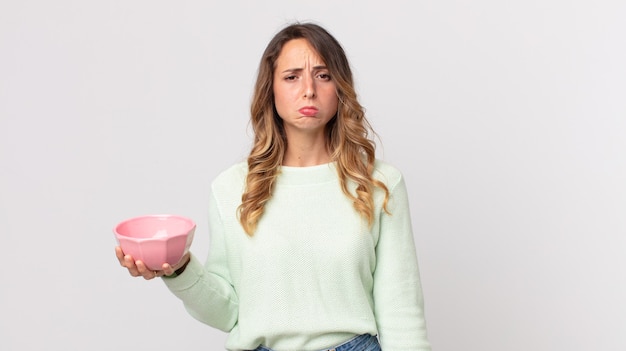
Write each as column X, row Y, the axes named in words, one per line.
column 307, row 175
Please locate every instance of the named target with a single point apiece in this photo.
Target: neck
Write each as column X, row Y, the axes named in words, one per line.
column 306, row 151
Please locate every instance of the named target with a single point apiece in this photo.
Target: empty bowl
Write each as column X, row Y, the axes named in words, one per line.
column 155, row 239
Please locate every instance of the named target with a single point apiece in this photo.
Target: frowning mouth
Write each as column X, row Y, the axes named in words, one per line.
column 308, row 111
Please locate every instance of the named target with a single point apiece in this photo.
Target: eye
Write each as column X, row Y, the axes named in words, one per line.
column 291, row 77
column 324, row 76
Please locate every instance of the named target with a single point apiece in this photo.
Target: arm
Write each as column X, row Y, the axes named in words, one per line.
column 207, row 291
column 398, row 299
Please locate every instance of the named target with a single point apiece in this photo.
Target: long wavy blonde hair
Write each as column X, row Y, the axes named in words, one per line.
column 347, row 134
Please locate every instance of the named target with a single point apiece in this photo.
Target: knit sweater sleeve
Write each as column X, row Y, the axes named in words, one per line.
column 398, row 300
column 207, row 291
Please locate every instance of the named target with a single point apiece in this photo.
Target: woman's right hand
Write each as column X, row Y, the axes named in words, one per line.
column 139, row 269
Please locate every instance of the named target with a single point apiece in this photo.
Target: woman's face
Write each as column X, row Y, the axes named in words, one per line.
column 305, row 95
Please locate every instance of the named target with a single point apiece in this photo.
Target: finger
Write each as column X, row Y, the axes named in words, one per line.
column 129, row 263
column 167, row 269
column 120, row 255
column 145, row 272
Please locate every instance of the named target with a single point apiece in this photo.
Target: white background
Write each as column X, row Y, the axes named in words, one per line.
column 507, row 118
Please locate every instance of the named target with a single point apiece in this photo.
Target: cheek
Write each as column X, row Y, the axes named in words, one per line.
column 284, row 95
column 280, row 101
column 333, row 100
column 278, row 94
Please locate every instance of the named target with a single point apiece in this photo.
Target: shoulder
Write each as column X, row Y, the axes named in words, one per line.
column 232, row 178
column 387, row 173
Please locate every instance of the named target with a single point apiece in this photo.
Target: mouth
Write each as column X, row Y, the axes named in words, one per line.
column 308, row 111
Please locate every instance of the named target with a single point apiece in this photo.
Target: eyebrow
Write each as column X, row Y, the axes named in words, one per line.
column 302, row 69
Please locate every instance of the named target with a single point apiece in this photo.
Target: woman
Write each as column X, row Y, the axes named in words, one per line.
column 311, row 239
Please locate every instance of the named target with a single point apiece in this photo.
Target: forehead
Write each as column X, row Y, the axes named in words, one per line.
column 298, row 52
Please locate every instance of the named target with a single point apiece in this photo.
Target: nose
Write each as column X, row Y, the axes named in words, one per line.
column 309, row 87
